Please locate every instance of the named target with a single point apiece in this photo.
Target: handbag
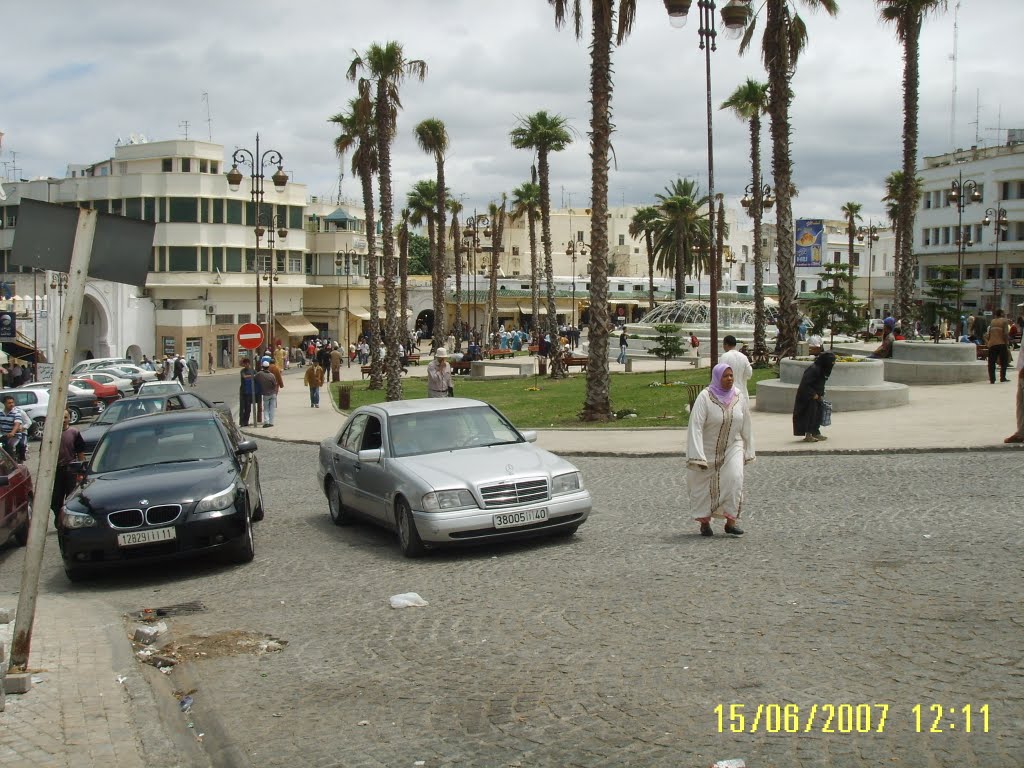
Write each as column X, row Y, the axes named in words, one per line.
column 826, row 413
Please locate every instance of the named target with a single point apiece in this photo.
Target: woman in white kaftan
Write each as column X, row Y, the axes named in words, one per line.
column 719, row 444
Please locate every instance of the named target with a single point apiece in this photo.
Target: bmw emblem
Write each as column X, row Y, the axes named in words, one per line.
column 144, row 502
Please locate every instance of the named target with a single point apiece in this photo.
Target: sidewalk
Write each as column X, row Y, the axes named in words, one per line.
column 974, row 416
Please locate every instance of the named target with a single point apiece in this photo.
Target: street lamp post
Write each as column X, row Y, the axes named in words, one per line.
column 869, row 233
column 575, row 249
column 735, row 14
column 961, row 192
column 470, row 238
column 257, row 162
column 270, row 273
column 345, row 257
column 996, row 216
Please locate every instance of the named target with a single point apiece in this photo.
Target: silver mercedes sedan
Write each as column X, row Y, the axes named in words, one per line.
column 447, row 471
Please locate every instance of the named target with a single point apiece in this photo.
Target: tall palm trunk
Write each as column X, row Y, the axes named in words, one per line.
column 756, row 207
column 904, row 266
column 597, row 404
column 497, row 233
column 649, row 242
column 555, row 362
column 392, row 367
column 376, row 368
column 457, row 251
column 437, row 334
column 403, row 268
column 440, row 264
column 534, row 290
column 779, row 96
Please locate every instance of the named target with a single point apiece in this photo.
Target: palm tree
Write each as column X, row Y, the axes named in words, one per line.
column 420, row 202
column 525, row 201
column 544, row 133
column 682, row 231
column 851, row 211
column 432, row 138
column 893, row 205
column 455, row 206
column 386, row 68
column 403, row 262
column 597, row 404
column 785, row 37
column 357, row 136
column 497, row 215
column 908, row 17
column 748, row 102
column 643, row 223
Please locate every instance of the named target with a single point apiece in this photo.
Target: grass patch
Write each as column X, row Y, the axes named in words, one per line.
column 558, row 401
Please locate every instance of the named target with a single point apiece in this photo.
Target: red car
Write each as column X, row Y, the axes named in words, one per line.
column 15, row 500
column 108, row 393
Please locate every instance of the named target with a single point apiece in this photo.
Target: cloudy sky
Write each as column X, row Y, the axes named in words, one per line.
column 69, row 89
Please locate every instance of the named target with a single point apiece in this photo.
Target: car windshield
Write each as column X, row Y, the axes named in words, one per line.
column 125, row 409
column 148, row 442
column 161, row 388
column 449, row 430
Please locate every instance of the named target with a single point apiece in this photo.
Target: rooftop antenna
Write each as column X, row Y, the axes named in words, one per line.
column 184, row 124
column 976, row 122
column 341, row 176
column 999, row 126
column 953, row 58
column 209, row 120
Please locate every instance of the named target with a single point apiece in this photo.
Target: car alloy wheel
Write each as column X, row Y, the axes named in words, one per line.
column 35, row 431
column 74, row 415
column 245, row 548
column 408, row 536
column 335, row 505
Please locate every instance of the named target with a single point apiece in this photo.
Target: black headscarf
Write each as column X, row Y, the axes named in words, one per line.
column 825, row 361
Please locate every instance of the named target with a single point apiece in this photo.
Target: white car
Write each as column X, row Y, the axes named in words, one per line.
column 73, row 389
column 130, row 371
column 95, row 363
column 161, row 387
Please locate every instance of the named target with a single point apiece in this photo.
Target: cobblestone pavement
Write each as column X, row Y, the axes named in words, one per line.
column 861, row 581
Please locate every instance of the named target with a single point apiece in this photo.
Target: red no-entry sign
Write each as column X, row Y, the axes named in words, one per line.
column 250, row 336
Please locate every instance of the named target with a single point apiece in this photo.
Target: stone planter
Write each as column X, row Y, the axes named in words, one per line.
column 857, row 386
column 928, row 363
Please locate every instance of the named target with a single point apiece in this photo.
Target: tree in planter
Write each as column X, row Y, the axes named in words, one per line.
column 670, row 345
column 834, row 304
column 942, row 292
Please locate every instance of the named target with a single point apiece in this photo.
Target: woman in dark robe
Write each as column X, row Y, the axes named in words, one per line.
column 810, row 393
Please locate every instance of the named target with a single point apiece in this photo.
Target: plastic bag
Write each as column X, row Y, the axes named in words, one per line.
column 826, row 413
column 407, row 600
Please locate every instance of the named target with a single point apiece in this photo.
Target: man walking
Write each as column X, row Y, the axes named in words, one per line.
column 247, row 393
column 741, row 368
column 72, row 448
column 314, row 379
column 179, row 371
column 267, row 383
column 439, row 374
column 335, row 363
column 997, row 339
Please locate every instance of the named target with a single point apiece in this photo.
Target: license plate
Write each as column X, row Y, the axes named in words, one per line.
column 146, row 537
column 522, row 517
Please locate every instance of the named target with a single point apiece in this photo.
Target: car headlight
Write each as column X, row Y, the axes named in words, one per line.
column 220, row 500
column 74, row 519
column 440, row 501
column 567, row 483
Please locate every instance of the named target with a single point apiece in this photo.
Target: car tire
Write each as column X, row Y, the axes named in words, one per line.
column 335, row 505
column 100, row 407
column 258, row 513
column 74, row 415
column 21, row 535
column 35, row 430
column 408, row 537
column 245, row 548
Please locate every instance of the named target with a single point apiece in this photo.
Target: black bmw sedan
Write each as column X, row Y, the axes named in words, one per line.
column 163, row 486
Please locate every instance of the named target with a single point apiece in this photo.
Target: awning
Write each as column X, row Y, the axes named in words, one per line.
column 626, row 302
column 297, row 325
column 542, row 309
column 339, row 216
column 361, row 312
column 509, row 308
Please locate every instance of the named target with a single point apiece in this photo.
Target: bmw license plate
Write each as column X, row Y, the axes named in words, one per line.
column 151, row 536
column 522, row 517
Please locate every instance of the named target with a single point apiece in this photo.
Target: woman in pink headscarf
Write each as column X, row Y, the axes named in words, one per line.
column 719, row 444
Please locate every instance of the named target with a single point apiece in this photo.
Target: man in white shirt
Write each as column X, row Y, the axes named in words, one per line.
column 741, row 368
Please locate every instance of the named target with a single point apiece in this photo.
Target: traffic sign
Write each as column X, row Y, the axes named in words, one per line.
column 250, row 336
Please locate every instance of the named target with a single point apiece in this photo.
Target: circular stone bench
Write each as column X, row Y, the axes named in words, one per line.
column 851, row 387
column 923, row 362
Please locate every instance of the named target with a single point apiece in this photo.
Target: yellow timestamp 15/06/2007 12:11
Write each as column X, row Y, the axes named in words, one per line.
column 847, row 718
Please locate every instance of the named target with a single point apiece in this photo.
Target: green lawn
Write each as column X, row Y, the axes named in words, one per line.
column 558, row 402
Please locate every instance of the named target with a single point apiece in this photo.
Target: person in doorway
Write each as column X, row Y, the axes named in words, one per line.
column 623, row 345
column 439, row 375
column 997, row 338
column 225, row 359
column 809, row 396
column 719, row 444
column 193, row 371
column 267, row 383
column 71, row 449
column 247, row 393
column 740, row 364
column 314, row 379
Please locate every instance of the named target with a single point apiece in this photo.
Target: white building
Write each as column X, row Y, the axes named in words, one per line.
column 993, row 273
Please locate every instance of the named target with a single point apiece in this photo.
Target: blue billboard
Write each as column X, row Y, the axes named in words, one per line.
column 810, row 242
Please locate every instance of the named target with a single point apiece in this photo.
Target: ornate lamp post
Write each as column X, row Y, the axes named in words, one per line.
column 257, row 162
column 996, row 216
column 574, row 249
column 735, row 14
column 344, row 259
column 869, row 233
column 474, row 225
column 961, row 192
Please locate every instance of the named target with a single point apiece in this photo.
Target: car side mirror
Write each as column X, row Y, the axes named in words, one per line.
column 529, row 435
column 246, row 446
column 371, row 456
